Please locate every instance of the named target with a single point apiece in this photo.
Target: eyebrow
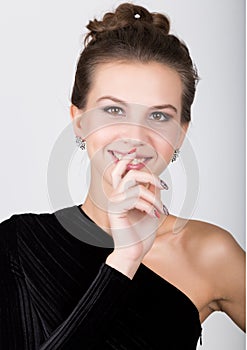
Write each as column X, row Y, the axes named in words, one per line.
column 114, row 99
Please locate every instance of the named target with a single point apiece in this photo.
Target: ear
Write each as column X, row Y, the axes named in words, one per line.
column 75, row 115
column 184, row 129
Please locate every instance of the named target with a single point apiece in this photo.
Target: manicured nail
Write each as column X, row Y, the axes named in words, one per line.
column 132, row 150
column 165, row 210
column 163, row 184
column 156, row 213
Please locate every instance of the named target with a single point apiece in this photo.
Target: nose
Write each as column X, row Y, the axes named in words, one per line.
column 133, row 142
column 134, row 135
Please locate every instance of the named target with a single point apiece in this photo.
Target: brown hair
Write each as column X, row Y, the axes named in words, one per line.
column 132, row 33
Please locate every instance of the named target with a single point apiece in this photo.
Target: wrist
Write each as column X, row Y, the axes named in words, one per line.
column 123, row 264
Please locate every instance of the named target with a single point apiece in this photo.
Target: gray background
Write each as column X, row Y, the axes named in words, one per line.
column 40, row 44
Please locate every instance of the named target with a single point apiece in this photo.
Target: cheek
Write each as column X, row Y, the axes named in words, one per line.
column 165, row 152
column 98, row 140
column 169, row 135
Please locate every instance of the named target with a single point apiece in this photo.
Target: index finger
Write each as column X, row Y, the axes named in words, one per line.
column 135, row 176
column 121, row 166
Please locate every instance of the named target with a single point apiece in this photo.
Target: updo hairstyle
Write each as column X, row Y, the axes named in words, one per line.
column 132, row 33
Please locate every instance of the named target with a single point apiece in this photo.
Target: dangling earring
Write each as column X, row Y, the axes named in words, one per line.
column 80, row 143
column 175, row 155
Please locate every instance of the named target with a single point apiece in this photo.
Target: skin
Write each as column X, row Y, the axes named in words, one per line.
column 126, row 203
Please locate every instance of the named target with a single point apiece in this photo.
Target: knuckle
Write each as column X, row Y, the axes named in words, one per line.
column 128, row 183
column 130, row 174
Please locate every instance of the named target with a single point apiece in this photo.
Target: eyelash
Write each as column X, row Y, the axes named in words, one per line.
column 108, row 109
column 164, row 115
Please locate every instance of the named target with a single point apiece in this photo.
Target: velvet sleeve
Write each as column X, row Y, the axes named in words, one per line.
column 18, row 322
column 93, row 314
column 82, row 329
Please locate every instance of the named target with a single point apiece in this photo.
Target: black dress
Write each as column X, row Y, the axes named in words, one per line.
column 56, row 292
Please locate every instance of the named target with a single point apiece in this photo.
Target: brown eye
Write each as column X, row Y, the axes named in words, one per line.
column 115, row 111
column 159, row 117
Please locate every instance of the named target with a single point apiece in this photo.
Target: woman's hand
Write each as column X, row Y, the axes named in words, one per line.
column 134, row 213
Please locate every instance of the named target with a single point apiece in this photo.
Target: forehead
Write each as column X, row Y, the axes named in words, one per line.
column 142, row 83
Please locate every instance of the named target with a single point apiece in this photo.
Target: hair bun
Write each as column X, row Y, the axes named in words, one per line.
column 127, row 15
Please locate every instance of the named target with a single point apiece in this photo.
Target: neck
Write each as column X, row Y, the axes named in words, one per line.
column 96, row 202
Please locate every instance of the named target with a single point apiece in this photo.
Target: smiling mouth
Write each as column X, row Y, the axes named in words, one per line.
column 137, row 160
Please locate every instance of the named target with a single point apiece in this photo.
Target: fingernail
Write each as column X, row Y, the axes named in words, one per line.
column 163, row 184
column 132, row 150
column 165, row 210
column 156, row 213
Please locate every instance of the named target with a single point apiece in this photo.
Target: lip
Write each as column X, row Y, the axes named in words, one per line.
column 130, row 166
column 138, row 166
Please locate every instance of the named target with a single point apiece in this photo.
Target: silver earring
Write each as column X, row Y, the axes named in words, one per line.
column 80, row 143
column 175, row 155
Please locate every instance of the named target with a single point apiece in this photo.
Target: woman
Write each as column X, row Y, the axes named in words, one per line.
column 128, row 282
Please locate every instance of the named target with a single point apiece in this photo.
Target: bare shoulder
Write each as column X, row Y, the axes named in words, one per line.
column 210, row 238
column 213, row 249
column 221, row 261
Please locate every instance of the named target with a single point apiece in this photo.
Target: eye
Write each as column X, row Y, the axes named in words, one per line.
column 115, row 110
column 159, row 117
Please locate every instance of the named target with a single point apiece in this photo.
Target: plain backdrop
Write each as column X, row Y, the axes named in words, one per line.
column 40, row 44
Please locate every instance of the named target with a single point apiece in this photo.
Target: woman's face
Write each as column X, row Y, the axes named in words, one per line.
column 132, row 105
